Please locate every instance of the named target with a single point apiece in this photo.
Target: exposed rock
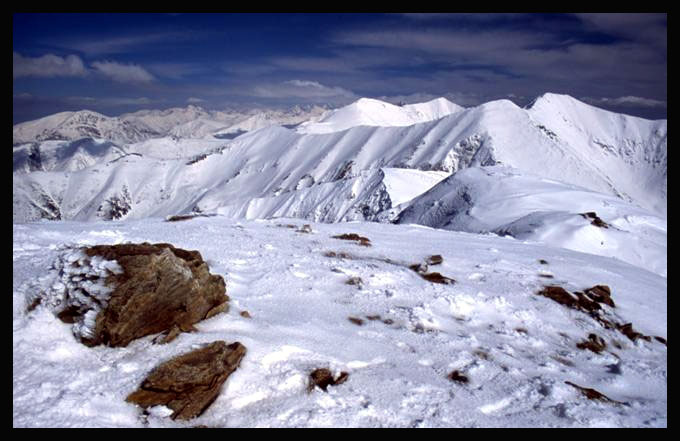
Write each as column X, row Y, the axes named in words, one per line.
column 592, row 394
column 355, row 281
column 601, row 294
column 245, row 314
column 628, row 331
column 434, row 260
column 189, row 383
column 113, row 294
column 595, row 219
column 161, row 286
column 438, row 278
column 324, row 377
column 356, row 321
column 364, row 241
column 421, row 268
column 594, row 343
column 457, row 377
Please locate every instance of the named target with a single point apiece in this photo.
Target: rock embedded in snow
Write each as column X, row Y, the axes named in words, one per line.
column 189, row 383
column 139, row 290
column 324, row 377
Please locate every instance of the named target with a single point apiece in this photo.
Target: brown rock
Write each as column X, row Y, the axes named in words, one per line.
column 628, row 331
column 601, row 294
column 592, row 394
column 594, row 343
column 438, row 278
column 457, row 377
column 324, row 377
column 161, row 287
column 364, row 241
column 189, row 383
column 560, row 295
column 434, row 260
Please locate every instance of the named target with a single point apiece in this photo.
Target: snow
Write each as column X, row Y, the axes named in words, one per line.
column 504, row 200
column 516, row 348
column 372, row 112
column 501, row 192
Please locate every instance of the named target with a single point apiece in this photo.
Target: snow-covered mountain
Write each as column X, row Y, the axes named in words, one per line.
column 375, row 172
column 81, row 124
column 182, row 122
column 372, row 112
column 513, row 203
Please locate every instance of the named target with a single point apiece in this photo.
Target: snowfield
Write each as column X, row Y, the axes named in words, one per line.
column 516, row 348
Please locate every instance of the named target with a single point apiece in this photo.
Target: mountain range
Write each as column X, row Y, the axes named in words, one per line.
column 494, row 168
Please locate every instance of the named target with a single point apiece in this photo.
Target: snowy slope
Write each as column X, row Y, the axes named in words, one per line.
column 64, row 155
column 509, row 202
column 517, row 349
column 631, row 151
column 267, row 118
column 372, row 112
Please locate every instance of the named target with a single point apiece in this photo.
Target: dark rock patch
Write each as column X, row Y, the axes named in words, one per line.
column 592, row 394
column 594, row 219
column 594, row 343
column 323, row 378
column 438, row 278
column 542, row 261
column 661, row 340
column 628, row 331
column 363, row 241
column 357, row 321
column 245, row 314
column 434, row 260
column 601, row 294
column 189, row 383
column 458, row 377
column 421, row 269
column 546, row 276
column 355, row 281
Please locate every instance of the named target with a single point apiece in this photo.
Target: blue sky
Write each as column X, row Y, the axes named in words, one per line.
column 116, row 63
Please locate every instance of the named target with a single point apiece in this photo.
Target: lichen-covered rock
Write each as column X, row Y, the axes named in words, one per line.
column 188, row 384
column 114, row 294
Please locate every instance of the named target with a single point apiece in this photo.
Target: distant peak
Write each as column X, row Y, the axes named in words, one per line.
column 553, row 98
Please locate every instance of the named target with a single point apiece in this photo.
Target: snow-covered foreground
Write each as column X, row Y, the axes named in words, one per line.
column 516, row 348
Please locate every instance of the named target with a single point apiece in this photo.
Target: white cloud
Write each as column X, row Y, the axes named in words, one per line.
column 193, row 100
column 626, row 101
column 123, row 73
column 48, row 65
column 300, row 89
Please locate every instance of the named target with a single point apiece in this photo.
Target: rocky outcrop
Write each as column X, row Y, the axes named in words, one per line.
column 160, row 287
column 188, row 384
column 114, row 294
